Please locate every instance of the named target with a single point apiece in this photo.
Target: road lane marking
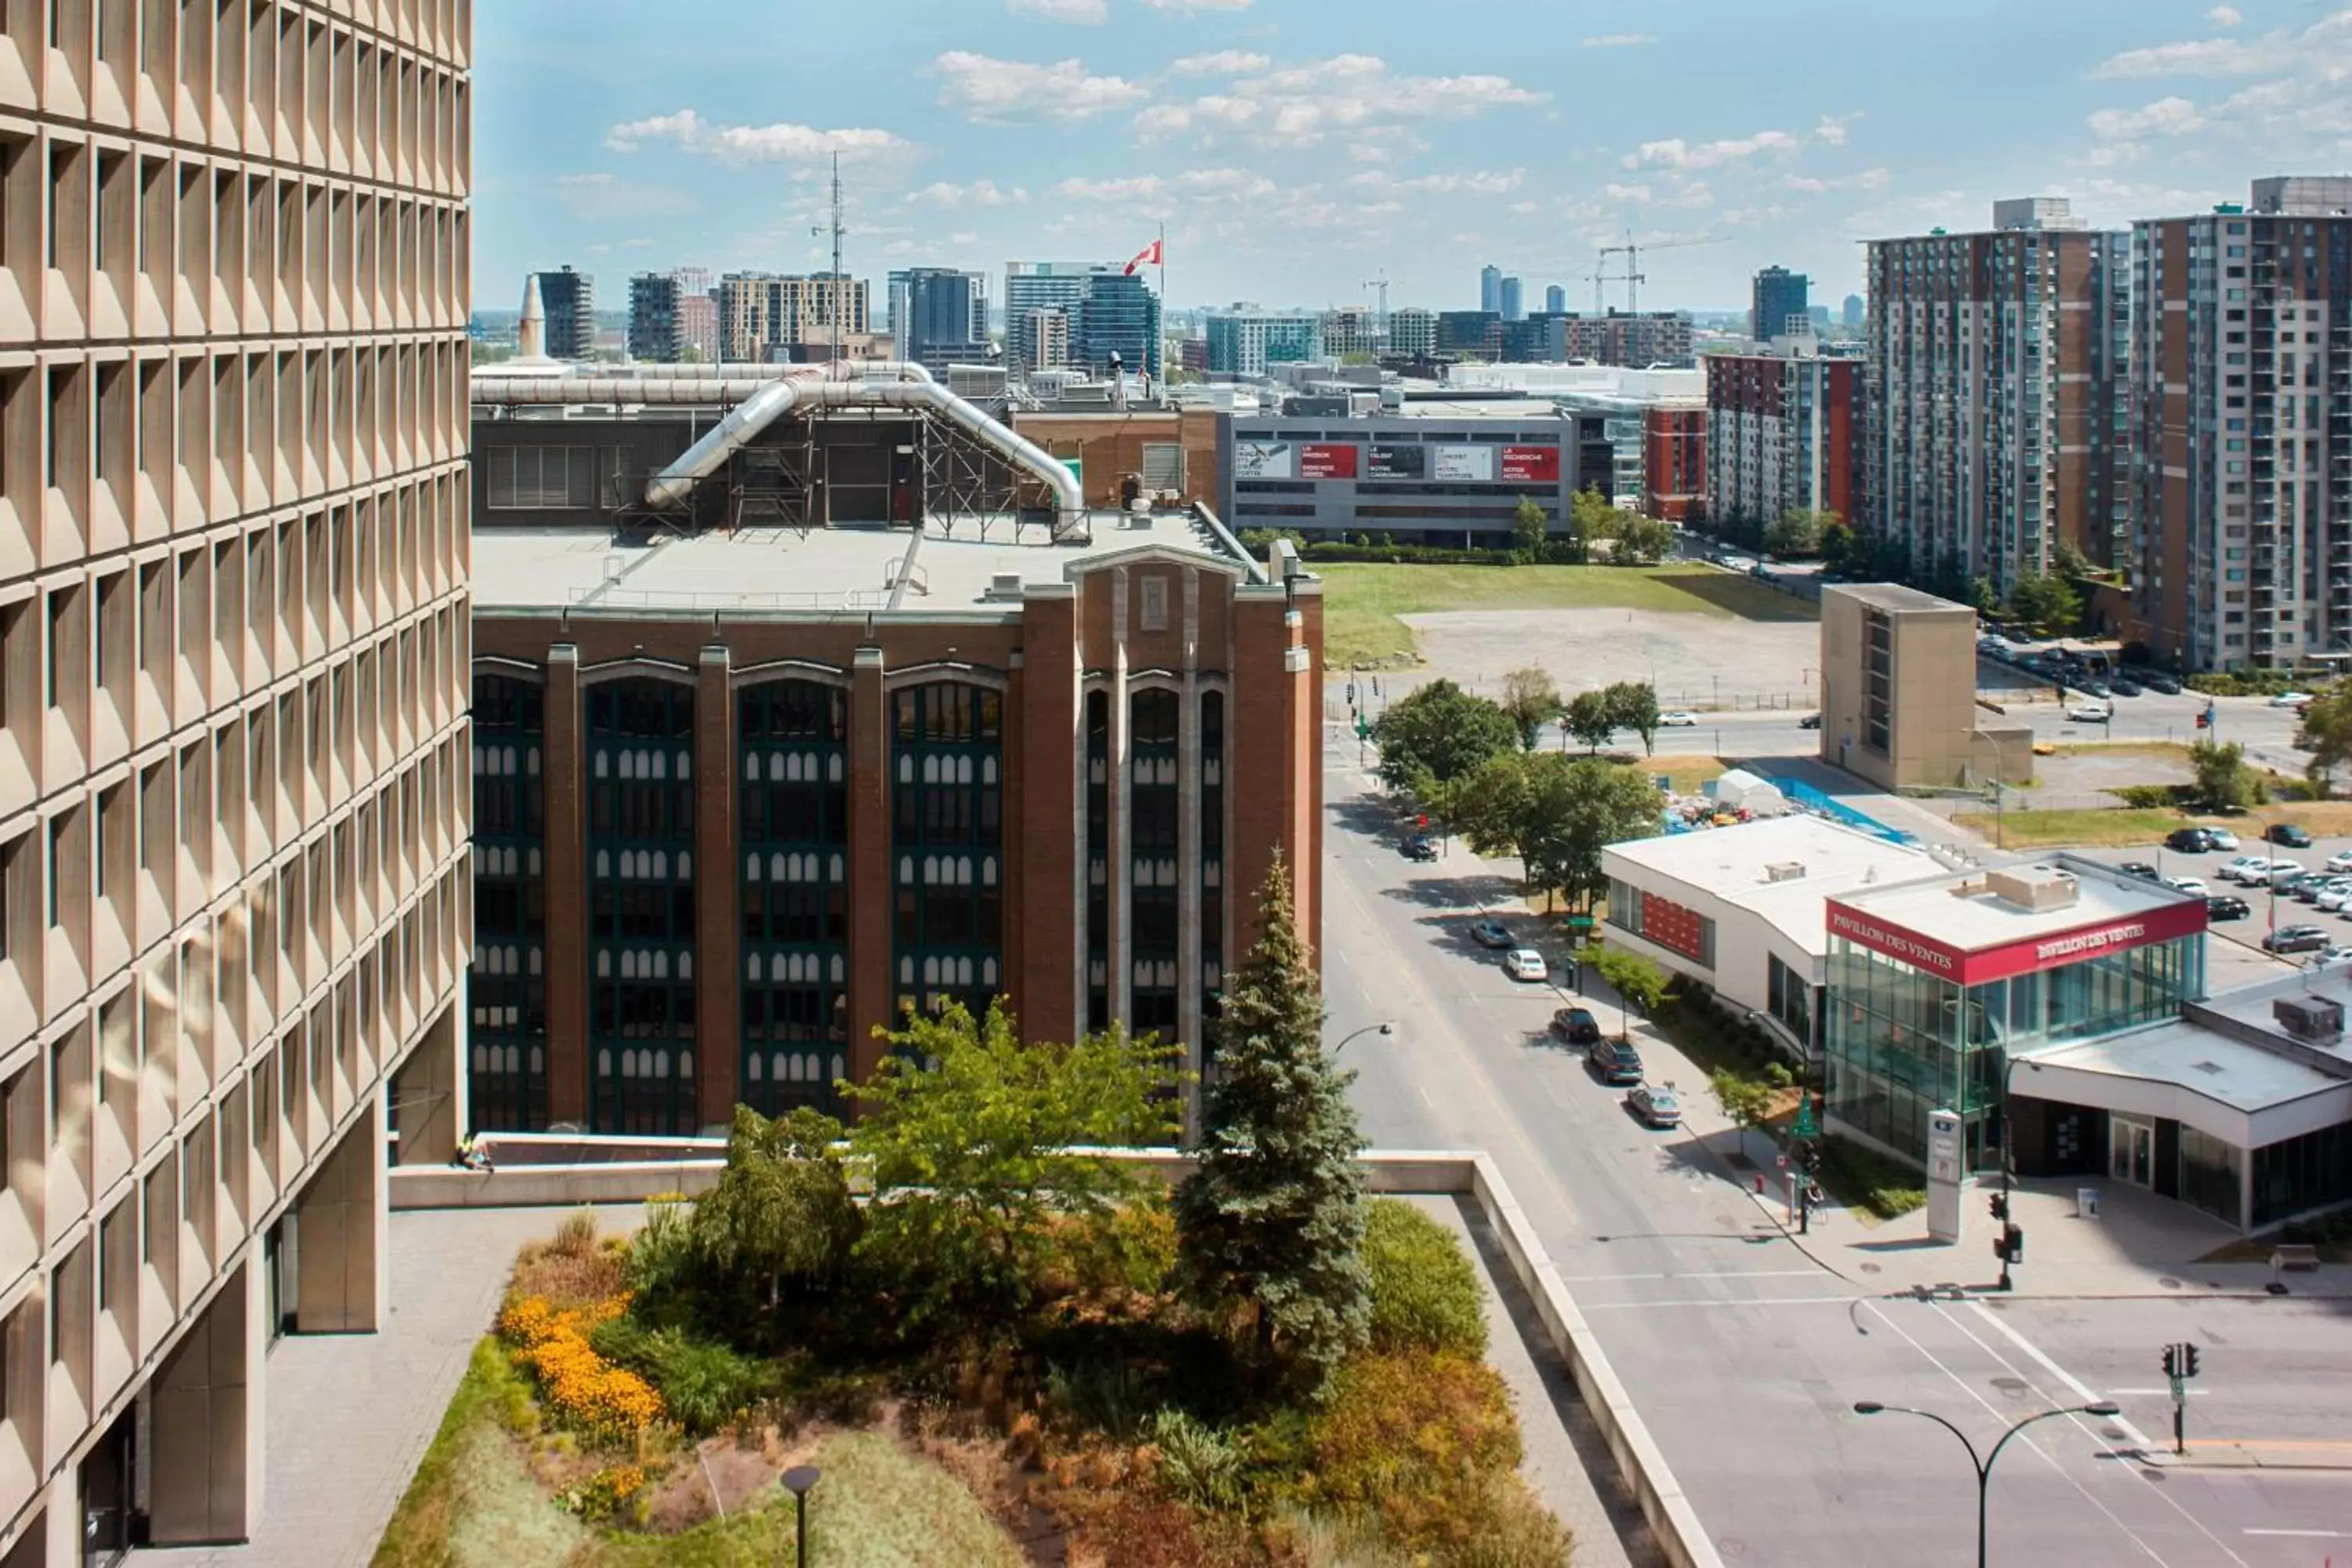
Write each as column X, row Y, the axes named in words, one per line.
column 2304, row 1534
column 2155, row 1393
column 1589, row 1307
column 2049, row 1458
column 2135, row 1471
column 1720, row 1274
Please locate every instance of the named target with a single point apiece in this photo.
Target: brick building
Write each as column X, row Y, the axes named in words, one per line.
column 1674, row 459
column 748, row 794
column 1784, row 432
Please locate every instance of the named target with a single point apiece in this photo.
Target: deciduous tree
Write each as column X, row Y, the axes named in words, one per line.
column 2049, row 605
column 2225, row 783
column 1531, row 696
column 1271, row 1220
column 1590, row 719
column 1642, row 540
column 1530, row 531
column 1441, row 732
column 2326, row 734
column 1633, row 705
column 1797, row 532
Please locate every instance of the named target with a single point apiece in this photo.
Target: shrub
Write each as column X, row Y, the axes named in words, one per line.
column 1853, row 1174
column 576, row 1236
column 1198, row 1464
column 2147, row 795
column 583, row 1388
column 1425, row 1294
column 1513, row 1529
column 1412, row 1441
column 602, row 1494
column 703, row 1385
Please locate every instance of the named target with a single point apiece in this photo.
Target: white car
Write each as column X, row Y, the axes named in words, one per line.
column 1677, row 719
column 1526, row 963
column 2340, row 861
column 2290, row 699
column 2091, row 712
column 2221, row 838
column 2247, row 868
column 2282, row 872
column 2334, row 898
column 2195, row 886
column 2335, row 953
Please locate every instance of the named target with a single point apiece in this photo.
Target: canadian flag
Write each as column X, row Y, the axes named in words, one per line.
column 1147, row 257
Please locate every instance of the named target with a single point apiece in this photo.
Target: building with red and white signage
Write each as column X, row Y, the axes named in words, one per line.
column 1452, row 476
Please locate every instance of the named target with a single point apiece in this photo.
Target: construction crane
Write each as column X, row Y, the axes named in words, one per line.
column 1633, row 276
column 1381, row 283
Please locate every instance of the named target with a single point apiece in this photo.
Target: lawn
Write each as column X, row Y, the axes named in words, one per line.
column 1362, row 603
column 2124, row 826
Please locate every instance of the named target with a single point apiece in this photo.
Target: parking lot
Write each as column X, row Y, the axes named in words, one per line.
column 2237, row 956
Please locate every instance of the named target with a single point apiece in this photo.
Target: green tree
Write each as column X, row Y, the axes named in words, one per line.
column 1439, row 733
column 1530, row 531
column 1590, row 718
column 2069, row 561
column 1599, row 804
column 1797, row 532
column 1642, row 540
column 2326, row 734
column 1531, row 696
column 969, row 1134
column 1591, row 519
column 1984, row 599
column 1637, row 979
column 1633, row 705
column 2224, row 782
column 1272, row 1218
column 2049, row 605
column 1746, row 1100
column 782, row 1215
column 1844, row 552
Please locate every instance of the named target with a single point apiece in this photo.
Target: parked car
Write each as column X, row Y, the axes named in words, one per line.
column 2139, row 869
column 2306, row 886
column 2283, row 874
column 1491, row 933
column 1577, row 1025
column 2099, row 688
column 2188, row 841
column 1526, row 963
column 2298, row 939
column 1614, row 1062
column 2339, row 861
column 2122, row 686
column 1810, row 721
column 2157, row 681
column 2332, row 900
column 2247, row 868
column 1655, row 1104
column 2334, row 952
column 2287, row 835
column 2221, row 839
column 2090, row 712
column 1676, row 718
column 1418, row 847
column 2193, row 885
column 2291, row 700
column 2226, row 907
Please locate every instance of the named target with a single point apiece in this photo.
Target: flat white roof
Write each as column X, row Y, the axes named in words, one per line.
column 2243, row 1076
column 1979, row 920
column 1730, row 863
column 848, row 568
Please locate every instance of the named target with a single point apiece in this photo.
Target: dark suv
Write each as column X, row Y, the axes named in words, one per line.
column 1614, row 1062
column 1577, row 1025
column 2287, row 835
column 2188, row 841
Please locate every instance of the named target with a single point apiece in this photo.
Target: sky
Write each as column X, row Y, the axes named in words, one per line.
column 1297, row 150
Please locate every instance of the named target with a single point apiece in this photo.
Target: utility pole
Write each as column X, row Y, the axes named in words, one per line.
column 840, row 290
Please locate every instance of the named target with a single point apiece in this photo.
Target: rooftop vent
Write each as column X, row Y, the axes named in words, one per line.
column 2309, row 1017
column 2035, row 886
column 1784, row 871
column 1004, row 586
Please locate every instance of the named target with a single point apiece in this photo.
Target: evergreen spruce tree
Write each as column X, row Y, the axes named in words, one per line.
column 1272, row 1216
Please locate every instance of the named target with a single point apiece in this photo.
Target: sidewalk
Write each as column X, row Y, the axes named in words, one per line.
column 2215, row 1455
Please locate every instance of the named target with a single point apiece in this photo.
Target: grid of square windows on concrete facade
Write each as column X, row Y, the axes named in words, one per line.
column 233, row 639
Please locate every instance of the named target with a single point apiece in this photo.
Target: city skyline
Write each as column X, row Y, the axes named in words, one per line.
column 1288, row 167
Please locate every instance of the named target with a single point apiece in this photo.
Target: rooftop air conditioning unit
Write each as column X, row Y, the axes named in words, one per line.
column 1785, row 871
column 2309, row 1017
column 1004, row 586
column 2035, row 886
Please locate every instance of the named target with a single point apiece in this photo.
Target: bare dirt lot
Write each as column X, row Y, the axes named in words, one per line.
column 1696, row 661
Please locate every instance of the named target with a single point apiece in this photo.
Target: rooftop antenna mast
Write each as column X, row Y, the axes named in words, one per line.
column 839, row 290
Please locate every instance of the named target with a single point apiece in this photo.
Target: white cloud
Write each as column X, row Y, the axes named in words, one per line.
column 1086, row 13
column 1673, row 152
column 1300, row 105
column 780, row 142
column 992, row 89
column 1193, row 185
column 2225, row 15
column 1867, row 180
column 1223, row 62
column 979, row 194
column 1694, row 195
column 2166, row 117
column 2201, row 57
column 1618, row 40
column 1485, row 183
column 1636, row 196
column 1188, row 6
column 579, row 182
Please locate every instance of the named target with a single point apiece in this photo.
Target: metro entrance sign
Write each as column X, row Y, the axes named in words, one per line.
column 1804, row 1126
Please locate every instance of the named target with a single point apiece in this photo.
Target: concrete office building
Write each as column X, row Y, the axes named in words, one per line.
column 1784, row 432
column 1899, row 692
column 1470, row 334
column 1778, row 305
column 1490, row 289
column 940, row 316
column 1034, row 286
column 656, row 332
column 569, row 300
column 766, row 316
column 1996, row 393
column 233, row 788
column 1412, row 333
column 1438, row 477
column 2240, row 456
column 753, row 792
column 1244, row 340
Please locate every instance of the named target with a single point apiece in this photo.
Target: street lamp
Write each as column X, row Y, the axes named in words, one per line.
column 1384, row 1027
column 2000, row 768
column 798, row 1481
column 2103, row 1408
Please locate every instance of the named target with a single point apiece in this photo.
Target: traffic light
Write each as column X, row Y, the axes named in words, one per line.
column 2172, row 1361
column 2189, row 1361
column 1999, row 1205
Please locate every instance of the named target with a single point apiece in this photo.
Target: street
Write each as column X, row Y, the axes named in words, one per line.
column 1745, row 1356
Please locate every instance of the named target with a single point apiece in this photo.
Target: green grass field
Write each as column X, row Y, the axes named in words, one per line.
column 1362, row 603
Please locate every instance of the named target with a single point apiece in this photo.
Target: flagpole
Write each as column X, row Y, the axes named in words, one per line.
column 1162, row 344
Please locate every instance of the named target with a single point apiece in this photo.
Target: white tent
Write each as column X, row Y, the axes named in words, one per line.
column 1740, row 789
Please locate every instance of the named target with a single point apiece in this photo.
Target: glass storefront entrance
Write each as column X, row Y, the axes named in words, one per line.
column 2131, row 1152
